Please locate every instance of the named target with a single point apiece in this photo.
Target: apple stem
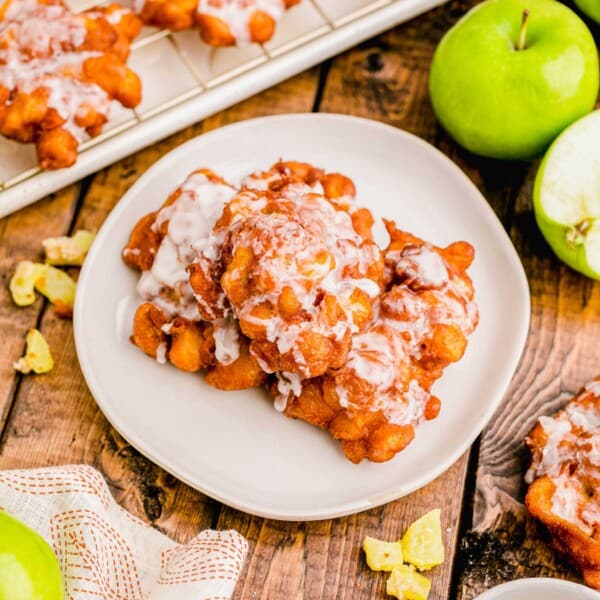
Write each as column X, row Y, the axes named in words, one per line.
column 523, row 34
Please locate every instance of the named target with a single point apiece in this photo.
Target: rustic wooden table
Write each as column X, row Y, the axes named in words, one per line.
column 53, row 419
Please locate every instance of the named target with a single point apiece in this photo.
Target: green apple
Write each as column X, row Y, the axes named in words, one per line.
column 566, row 196
column 590, row 7
column 512, row 74
column 28, row 567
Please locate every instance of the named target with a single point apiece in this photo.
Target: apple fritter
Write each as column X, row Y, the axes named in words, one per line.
column 295, row 273
column 564, row 478
column 374, row 401
column 188, row 345
column 243, row 373
column 60, row 73
column 279, row 283
column 168, row 326
column 164, row 243
column 336, row 187
column 220, row 22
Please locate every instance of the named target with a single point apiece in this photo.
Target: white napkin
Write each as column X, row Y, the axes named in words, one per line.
column 105, row 553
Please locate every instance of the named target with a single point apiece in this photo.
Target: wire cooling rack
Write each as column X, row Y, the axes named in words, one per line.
column 184, row 81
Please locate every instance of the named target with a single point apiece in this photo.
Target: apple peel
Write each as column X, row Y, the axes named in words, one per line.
column 592, row 246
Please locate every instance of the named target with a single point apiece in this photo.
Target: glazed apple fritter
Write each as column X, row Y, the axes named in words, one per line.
column 220, row 22
column 295, row 274
column 564, row 478
column 60, row 72
column 169, row 326
column 373, row 402
column 279, row 282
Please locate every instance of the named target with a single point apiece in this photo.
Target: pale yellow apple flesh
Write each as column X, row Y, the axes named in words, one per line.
column 567, row 196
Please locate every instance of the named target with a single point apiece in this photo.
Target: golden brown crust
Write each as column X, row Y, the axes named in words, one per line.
column 242, row 374
column 175, row 15
column 277, row 250
column 143, row 244
column 365, row 430
column 192, row 345
column 147, row 328
column 66, row 94
column 564, row 480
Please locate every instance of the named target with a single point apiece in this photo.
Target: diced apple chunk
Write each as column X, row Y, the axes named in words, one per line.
column 68, row 251
column 422, row 544
column 382, row 556
column 38, row 357
column 406, row 584
column 22, row 283
column 59, row 288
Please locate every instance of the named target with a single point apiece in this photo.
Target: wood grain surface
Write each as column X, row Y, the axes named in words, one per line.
column 52, row 419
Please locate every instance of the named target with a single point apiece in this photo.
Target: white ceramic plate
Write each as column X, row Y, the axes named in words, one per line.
column 234, row 446
column 540, row 589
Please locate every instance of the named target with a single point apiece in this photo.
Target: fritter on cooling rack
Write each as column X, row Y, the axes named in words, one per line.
column 60, row 72
column 220, row 22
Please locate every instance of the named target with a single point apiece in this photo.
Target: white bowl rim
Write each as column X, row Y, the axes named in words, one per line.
column 533, row 583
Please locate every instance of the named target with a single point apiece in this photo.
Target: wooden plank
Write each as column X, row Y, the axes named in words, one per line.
column 21, row 236
column 56, row 421
column 561, row 355
column 323, row 559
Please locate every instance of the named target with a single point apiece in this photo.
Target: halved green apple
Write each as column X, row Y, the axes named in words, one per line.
column 566, row 196
column 28, row 568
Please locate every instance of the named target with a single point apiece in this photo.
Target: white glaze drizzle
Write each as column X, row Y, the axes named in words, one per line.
column 189, row 220
column 287, row 383
column 422, row 266
column 593, row 386
column 227, row 344
column 381, row 356
column 570, row 457
column 571, row 499
column 39, row 49
column 161, row 353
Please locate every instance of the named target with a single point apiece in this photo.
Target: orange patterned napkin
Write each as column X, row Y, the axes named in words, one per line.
column 105, row 552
